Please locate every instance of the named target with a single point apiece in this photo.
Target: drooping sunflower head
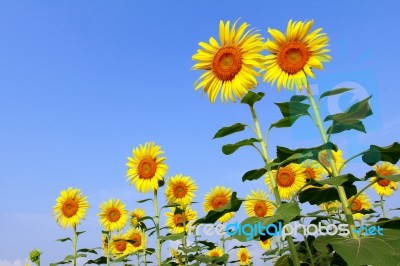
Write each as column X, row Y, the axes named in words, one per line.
column 330, row 207
column 135, row 216
column 385, row 187
column 293, row 56
column 313, row 170
column 113, row 215
column 178, row 219
column 146, row 167
column 257, row 204
column 337, row 157
column 289, row 179
column 361, row 202
column 136, row 238
column 180, row 189
column 243, row 256
column 231, row 65
column 119, row 246
column 216, row 252
column 218, row 197
column 70, row 208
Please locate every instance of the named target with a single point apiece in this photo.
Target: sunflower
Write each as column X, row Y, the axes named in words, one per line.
column 266, row 244
column 113, row 215
column 177, row 256
column 359, row 203
column 230, row 65
column 289, row 179
column 257, row 204
column 180, row 189
column 216, row 252
column 104, row 241
column 337, row 157
column 120, row 246
column 71, row 208
column 292, row 56
column 385, row 187
column 312, row 169
column 243, row 256
column 137, row 238
column 146, row 168
column 177, row 217
column 217, row 198
column 330, row 207
column 135, row 215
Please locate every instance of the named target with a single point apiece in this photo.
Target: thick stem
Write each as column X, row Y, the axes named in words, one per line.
column 157, row 212
column 108, row 248
column 383, row 207
column 340, row 189
column 278, row 201
column 74, row 244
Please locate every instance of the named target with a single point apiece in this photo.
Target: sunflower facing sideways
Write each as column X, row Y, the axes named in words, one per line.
column 146, row 168
column 113, row 215
column 216, row 252
column 257, row 204
column 217, row 198
column 313, row 170
column 385, row 187
column 176, row 218
column 361, row 202
column 337, row 157
column 293, row 56
column 231, row 65
column 136, row 238
column 180, row 189
column 243, row 256
column 71, row 208
column 119, row 246
column 135, row 215
column 289, row 179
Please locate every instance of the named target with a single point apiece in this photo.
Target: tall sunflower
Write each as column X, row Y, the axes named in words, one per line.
column 243, row 256
column 216, row 252
column 119, row 246
column 217, row 198
column 289, row 179
column 312, row 169
column 230, row 65
column 176, row 218
column 180, row 189
column 71, row 207
column 337, row 157
column 257, row 204
column 361, row 202
column 385, row 187
column 137, row 238
column 293, row 56
column 113, row 215
column 135, row 216
column 146, row 168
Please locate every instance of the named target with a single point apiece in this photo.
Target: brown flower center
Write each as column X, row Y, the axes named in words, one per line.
column 180, row 191
column 179, row 219
column 219, row 202
column 309, row 172
column 243, row 257
column 147, row 168
column 285, row 177
column 227, row 62
column 260, row 209
column 136, row 240
column 384, row 182
column 214, row 254
column 356, row 205
column 113, row 215
column 120, row 245
column 70, row 208
column 293, row 56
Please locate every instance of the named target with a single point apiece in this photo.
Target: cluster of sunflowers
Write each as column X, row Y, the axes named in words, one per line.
column 314, row 175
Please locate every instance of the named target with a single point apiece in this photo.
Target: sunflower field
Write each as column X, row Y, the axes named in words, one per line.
column 311, row 210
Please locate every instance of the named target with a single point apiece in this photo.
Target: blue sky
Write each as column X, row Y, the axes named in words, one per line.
column 84, row 82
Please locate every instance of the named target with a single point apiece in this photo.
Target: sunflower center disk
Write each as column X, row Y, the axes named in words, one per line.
column 179, row 219
column 219, row 202
column 136, row 240
column 70, row 208
column 120, row 245
column 384, row 182
column 260, row 209
column 356, row 205
column 147, row 168
column 309, row 173
column 113, row 215
column 285, row 178
column 180, row 191
column 293, row 57
column 243, row 257
column 227, row 63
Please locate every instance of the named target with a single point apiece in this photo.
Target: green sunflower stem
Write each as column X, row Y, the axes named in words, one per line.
column 108, row 248
column 145, row 251
column 74, row 244
column 157, row 212
column 340, row 189
column 184, row 237
column 278, row 200
column 383, row 207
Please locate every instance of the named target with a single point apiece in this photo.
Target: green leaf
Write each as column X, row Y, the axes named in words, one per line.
column 359, row 110
column 251, row 98
column 254, row 174
column 231, row 148
column 293, row 108
column 284, row 260
column 338, row 180
column 172, row 237
column 79, row 233
column 98, row 261
column 284, row 153
column 297, row 157
column 334, row 92
column 285, row 122
column 64, row 239
column 212, row 216
column 225, row 131
column 209, row 245
column 318, row 195
column 348, row 125
column 377, row 154
column 87, row 250
column 298, row 98
column 142, row 201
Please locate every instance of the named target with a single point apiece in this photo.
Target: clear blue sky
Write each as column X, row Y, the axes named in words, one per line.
column 84, row 82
